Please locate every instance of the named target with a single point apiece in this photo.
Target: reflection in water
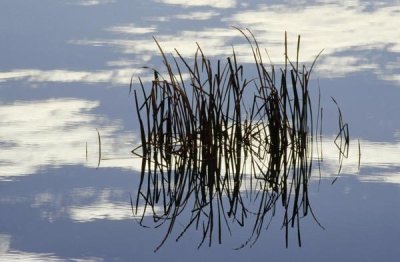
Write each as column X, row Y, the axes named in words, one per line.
column 91, row 2
column 131, row 29
column 85, row 205
column 29, row 55
column 379, row 161
column 197, row 15
column 42, row 129
column 104, row 205
column 348, row 49
column 382, row 157
column 341, row 35
column 116, row 76
column 51, row 132
column 212, row 3
column 9, row 254
column 103, row 210
column 198, row 137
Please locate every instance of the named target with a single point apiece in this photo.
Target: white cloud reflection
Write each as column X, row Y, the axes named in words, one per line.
column 346, row 30
column 342, row 29
column 100, row 211
column 53, row 132
column 191, row 3
column 354, row 39
column 119, row 76
column 214, row 42
column 197, row 15
column 131, row 29
column 378, row 161
column 92, row 2
column 9, row 254
column 90, row 204
column 105, row 210
column 87, row 204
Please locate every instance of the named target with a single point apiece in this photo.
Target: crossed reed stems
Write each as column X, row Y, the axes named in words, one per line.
column 228, row 149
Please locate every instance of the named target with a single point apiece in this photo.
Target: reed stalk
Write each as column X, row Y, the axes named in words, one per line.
column 207, row 148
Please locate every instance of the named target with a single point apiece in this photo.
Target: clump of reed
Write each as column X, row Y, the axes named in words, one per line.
column 223, row 146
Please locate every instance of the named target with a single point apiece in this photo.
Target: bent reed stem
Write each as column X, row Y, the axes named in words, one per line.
column 210, row 147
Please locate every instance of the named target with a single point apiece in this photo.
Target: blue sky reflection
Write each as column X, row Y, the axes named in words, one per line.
column 56, row 205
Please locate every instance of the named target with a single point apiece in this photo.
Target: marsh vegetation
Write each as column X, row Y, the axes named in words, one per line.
column 228, row 149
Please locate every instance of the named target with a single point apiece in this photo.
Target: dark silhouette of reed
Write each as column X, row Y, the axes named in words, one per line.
column 226, row 149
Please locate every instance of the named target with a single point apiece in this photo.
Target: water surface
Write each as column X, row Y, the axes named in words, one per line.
column 65, row 70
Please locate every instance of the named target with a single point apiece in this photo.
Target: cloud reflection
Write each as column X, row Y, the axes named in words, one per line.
column 131, row 29
column 197, row 15
column 98, row 205
column 104, row 210
column 53, row 132
column 214, row 42
column 92, row 2
column 378, row 161
column 190, row 3
column 86, row 204
column 9, row 254
column 101, row 210
column 340, row 28
column 119, row 76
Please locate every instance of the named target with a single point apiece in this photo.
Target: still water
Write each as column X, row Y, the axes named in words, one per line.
column 65, row 70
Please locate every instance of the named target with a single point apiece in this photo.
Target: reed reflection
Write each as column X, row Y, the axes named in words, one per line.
column 220, row 158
